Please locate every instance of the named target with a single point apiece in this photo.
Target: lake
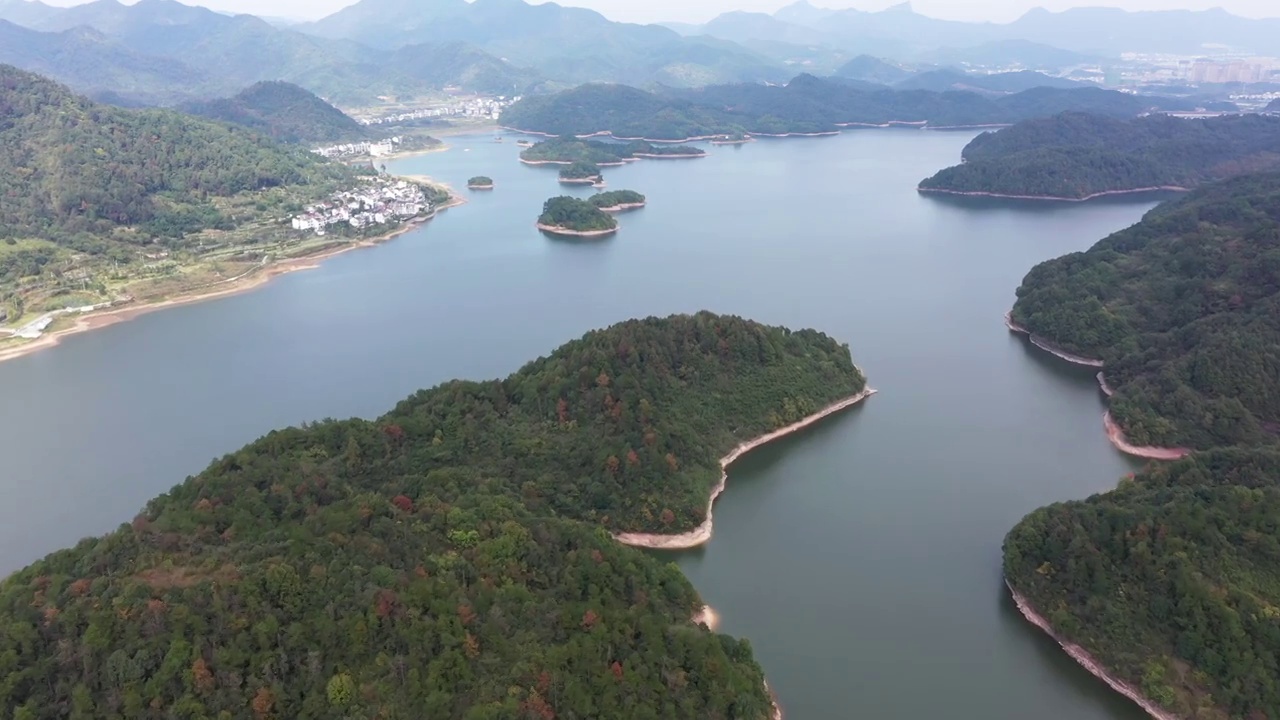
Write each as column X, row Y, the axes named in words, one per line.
column 861, row 559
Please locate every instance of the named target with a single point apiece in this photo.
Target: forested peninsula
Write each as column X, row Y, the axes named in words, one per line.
column 806, row 105
column 1184, row 310
column 567, row 150
column 1080, row 156
column 1168, row 586
column 448, row 560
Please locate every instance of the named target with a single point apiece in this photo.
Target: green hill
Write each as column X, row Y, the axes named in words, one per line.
column 433, row 562
column 805, row 105
column 1076, row 155
column 1172, row 581
column 282, row 111
column 1184, row 308
column 571, row 149
column 102, row 202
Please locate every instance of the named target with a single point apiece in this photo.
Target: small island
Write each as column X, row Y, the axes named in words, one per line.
column 480, row 182
column 581, row 173
column 567, row 150
column 618, row 200
column 570, row 216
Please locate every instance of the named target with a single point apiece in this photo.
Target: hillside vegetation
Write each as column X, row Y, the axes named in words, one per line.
column 282, row 111
column 101, row 201
column 432, row 562
column 1075, row 155
column 1184, row 307
column 805, row 105
column 1172, row 581
column 575, row 215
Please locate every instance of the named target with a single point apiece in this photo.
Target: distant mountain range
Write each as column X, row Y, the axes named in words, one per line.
column 163, row 51
column 1072, row 35
column 564, row 43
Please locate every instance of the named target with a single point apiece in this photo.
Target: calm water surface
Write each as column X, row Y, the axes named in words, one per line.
column 862, row 559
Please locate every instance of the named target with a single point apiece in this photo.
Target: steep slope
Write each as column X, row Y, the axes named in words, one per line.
column 70, row 166
column 282, row 111
column 461, row 65
column 1184, row 308
column 92, row 63
column 1171, row 582
column 872, row 69
column 424, row 564
column 28, row 13
column 1078, row 155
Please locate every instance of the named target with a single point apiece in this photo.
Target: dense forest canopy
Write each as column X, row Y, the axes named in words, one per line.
column 617, row 198
column 1075, row 155
column 282, row 111
column 433, row 562
column 70, row 167
column 480, row 181
column 580, row 170
column 1184, row 308
column 1172, row 581
column 806, row 104
column 570, row 213
column 572, row 149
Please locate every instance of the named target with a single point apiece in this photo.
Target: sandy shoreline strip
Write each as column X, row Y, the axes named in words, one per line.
column 701, row 534
column 1052, row 198
column 618, row 163
column 622, row 207
column 1087, row 661
column 1049, row 347
column 1116, row 434
column 557, row 230
column 245, row 282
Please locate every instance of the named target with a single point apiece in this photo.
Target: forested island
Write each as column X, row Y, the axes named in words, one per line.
column 568, row 150
column 566, row 215
column 1169, row 585
column 1078, row 156
column 448, row 560
column 618, row 200
column 480, row 182
column 1184, row 310
column 806, row 105
column 283, row 111
column 581, row 172
column 106, row 205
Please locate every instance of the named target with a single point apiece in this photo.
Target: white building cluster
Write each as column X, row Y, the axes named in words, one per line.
column 378, row 148
column 375, row 202
column 481, row 107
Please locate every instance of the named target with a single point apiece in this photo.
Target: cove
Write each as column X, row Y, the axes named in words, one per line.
column 861, row 557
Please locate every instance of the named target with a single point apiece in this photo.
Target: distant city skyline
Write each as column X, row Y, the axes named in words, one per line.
column 652, row 11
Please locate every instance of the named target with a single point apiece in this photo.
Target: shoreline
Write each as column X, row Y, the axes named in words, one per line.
column 1049, row 347
column 619, row 163
column 1116, row 435
column 609, row 134
column 490, row 186
column 1087, row 661
column 1114, row 432
column 245, row 282
column 671, row 156
column 557, row 230
column 622, row 207
column 824, row 133
column 1052, row 198
column 578, row 181
column 701, row 534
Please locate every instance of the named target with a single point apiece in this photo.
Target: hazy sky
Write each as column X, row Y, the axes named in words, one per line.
column 702, row 10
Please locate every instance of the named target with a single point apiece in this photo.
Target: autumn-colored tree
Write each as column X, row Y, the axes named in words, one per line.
column 603, row 380
column 589, row 619
column 264, row 701
column 466, row 614
column 672, row 462
column 395, row 433
column 667, row 517
column 616, row 668
column 201, row 676
column 612, row 464
column 403, row 502
column 632, row 458
column 80, row 587
column 472, row 646
column 562, row 410
column 385, row 602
